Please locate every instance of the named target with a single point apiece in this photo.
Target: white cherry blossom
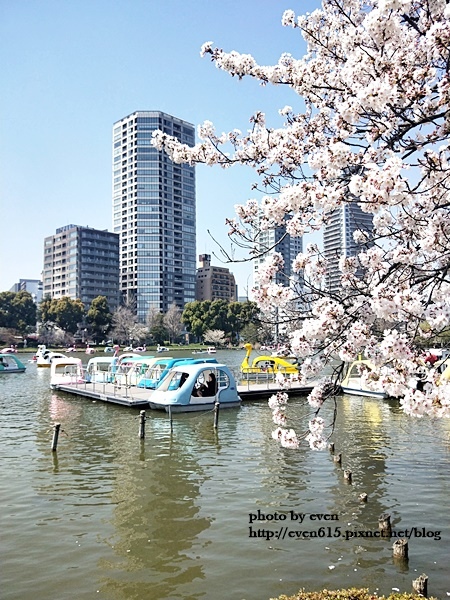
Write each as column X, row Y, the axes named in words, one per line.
column 374, row 129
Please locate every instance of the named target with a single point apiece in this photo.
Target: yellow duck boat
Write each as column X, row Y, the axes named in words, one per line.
column 263, row 365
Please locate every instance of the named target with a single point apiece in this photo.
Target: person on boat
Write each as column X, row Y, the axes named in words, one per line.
column 206, row 389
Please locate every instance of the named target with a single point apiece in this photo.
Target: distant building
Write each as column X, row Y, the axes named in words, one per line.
column 82, row 262
column 214, row 283
column 338, row 239
column 153, row 213
column 277, row 240
column 33, row 286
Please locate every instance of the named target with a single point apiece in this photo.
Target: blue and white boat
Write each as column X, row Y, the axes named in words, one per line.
column 194, row 387
column 160, row 367
column 9, row 363
column 129, row 370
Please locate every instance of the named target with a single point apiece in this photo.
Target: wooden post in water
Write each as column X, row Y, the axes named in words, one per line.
column 420, row 585
column 331, row 447
column 400, row 549
column 384, row 525
column 400, row 555
column 348, row 476
column 170, row 418
column 142, row 424
column 56, row 428
column 363, row 497
column 337, row 458
column 216, row 414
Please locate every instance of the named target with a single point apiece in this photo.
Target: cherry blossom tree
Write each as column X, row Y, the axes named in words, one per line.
column 374, row 130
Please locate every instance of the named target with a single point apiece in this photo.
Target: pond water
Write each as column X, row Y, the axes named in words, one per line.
column 109, row 515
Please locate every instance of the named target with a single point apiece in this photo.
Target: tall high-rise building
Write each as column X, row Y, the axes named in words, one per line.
column 154, row 214
column 214, row 283
column 277, row 240
column 338, row 239
column 82, row 262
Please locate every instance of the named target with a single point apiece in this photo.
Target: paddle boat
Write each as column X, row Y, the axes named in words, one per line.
column 98, row 369
column 192, row 387
column 267, row 364
column 44, row 356
column 355, row 381
column 66, row 371
column 211, row 350
column 9, row 350
column 162, row 348
column 11, row 364
column 161, row 367
column 131, row 369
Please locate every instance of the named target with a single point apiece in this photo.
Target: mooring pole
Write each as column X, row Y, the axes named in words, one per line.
column 170, row 418
column 216, row 414
column 420, row 585
column 56, row 428
column 142, row 424
column 400, row 549
column 384, row 525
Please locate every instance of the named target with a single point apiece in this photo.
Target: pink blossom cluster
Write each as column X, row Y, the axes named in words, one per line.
column 374, row 130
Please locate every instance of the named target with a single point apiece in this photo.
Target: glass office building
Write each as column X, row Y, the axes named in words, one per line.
column 338, row 240
column 154, row 214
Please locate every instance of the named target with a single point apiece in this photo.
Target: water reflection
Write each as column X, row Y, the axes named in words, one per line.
column 168, row 516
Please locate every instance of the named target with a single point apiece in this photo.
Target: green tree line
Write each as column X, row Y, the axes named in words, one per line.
column 19, row 314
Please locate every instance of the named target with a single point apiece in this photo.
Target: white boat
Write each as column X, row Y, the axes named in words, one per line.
column 44, row 356
column 162, row 349
column 66, row 371
column 211, row 350
column 9, row 363
column 196, row 387
column 355, row 383
column 131, row 369
column 98, row 369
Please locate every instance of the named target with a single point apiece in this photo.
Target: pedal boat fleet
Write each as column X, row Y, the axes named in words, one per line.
column 172, row 382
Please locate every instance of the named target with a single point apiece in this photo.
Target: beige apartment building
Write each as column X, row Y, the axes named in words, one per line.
column 214, row 283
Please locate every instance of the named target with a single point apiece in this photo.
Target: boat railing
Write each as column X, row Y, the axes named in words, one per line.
column 120, row 388
column 267, row 379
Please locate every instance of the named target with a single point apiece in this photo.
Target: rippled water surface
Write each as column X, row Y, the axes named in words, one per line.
column 109, row 515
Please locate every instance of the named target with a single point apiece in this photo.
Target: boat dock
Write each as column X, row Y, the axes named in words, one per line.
column 135, row 397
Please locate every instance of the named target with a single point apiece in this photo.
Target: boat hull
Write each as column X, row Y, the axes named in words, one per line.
column 353, row 391
column 203, row 406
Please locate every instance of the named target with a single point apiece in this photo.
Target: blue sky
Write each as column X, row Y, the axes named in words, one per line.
column 70, row 69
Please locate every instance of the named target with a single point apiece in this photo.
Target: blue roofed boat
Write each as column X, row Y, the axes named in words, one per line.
column 194, row 387
column 9, row 363
column 160, row 367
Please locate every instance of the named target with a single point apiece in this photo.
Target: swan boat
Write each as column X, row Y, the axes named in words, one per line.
column 265, row 365
column 354, row 382
column 177, row 392
column 44, row 356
